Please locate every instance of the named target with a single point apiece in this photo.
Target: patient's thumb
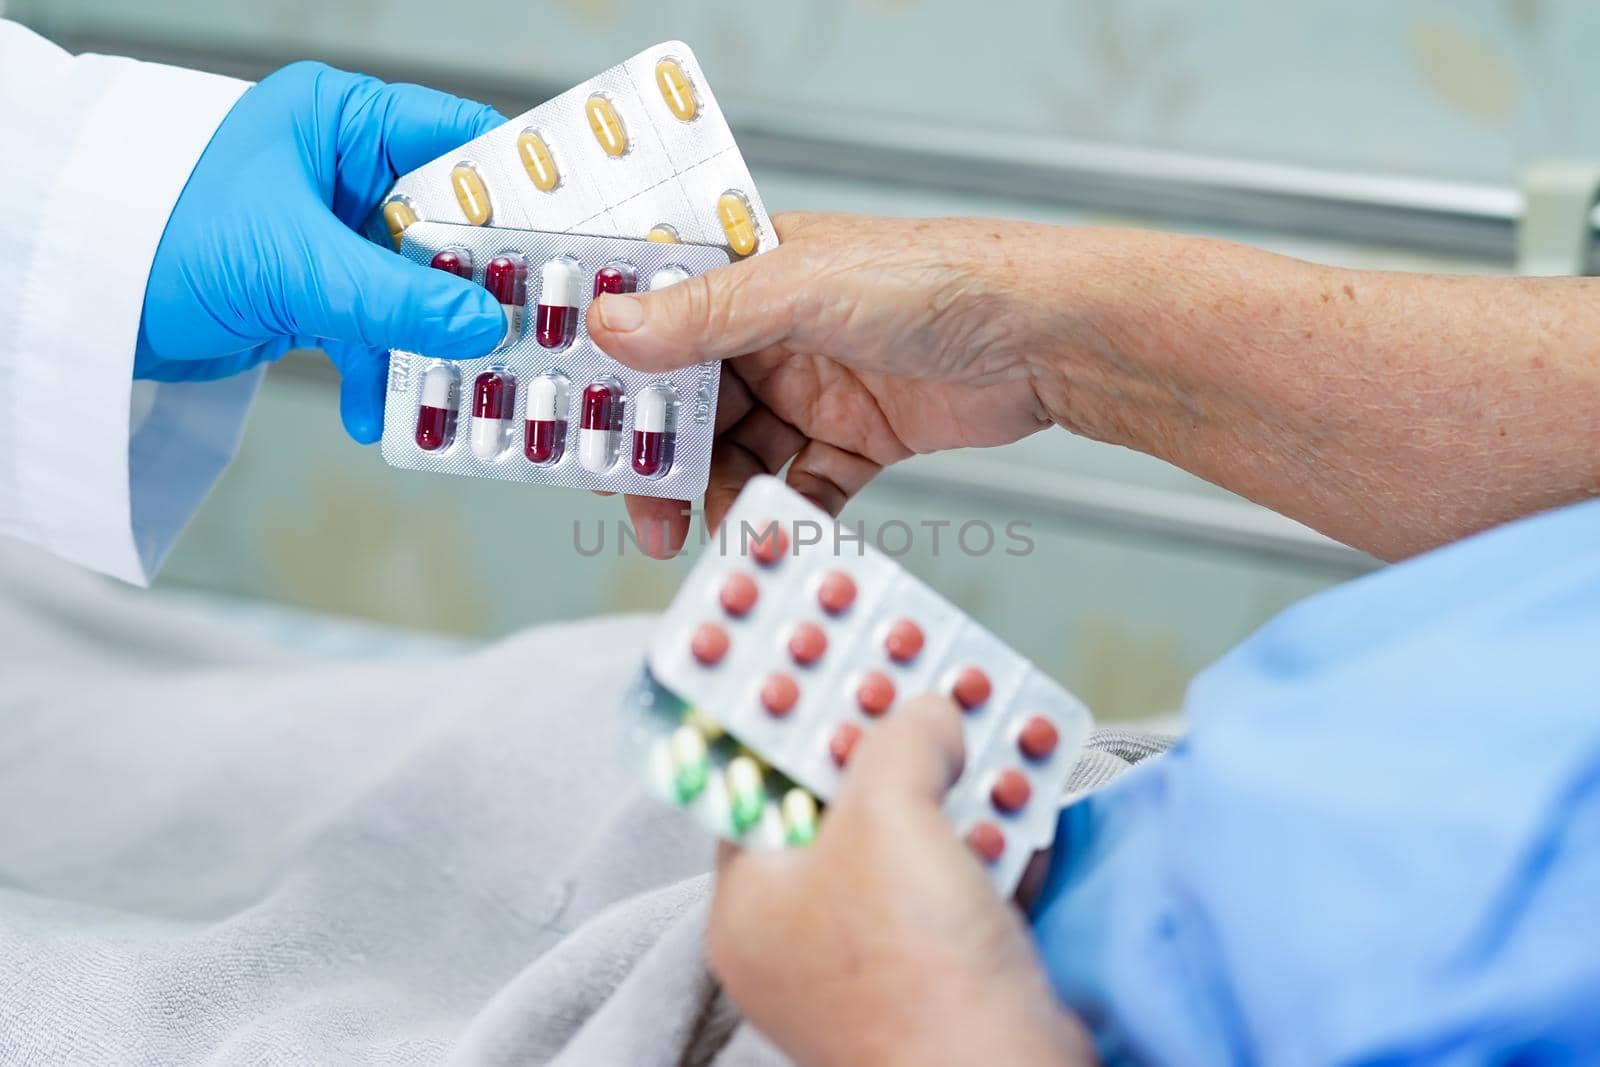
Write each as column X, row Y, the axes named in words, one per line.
column 718, row 315
column 915, row 754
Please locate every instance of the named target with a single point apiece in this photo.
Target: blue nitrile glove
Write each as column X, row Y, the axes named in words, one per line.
column 261, row 253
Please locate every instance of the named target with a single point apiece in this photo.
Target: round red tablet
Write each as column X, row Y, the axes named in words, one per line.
column 904, row 641
column 807, row 643
column 709, row 643
column 1038, row 738
column 875, row 693
column 1010, row 791
column 836, row 592
column 779, row 694
column 987, row 841
column 768, row 542
column 739, row 594
column 843, row 742
column 971, row 688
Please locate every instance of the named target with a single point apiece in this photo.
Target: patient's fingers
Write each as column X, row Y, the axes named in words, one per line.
column 1031, row 884
column 829, row 476
column 661, row 525
column 760, row 443
column 734, row 400
column 751, row 905
column 915, row 754
column 766, row 437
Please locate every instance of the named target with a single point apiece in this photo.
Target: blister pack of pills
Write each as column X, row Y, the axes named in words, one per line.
column 795, row 642
column 689, row 760
column 547, row 406
column 640, row 150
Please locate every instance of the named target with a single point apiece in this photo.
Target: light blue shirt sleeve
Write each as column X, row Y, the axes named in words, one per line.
column 1380, row 842
column 178, row 447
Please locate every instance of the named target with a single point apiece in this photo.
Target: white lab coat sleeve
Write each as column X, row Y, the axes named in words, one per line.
column 94, row 151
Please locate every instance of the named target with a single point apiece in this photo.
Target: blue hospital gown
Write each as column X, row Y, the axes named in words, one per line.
column 1379, row 844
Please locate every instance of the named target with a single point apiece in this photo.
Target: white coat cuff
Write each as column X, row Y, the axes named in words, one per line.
column 98, row 491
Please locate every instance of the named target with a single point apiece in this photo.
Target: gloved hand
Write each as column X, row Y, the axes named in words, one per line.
column 261, row 253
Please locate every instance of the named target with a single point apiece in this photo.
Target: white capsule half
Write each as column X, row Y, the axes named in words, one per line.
column 594, row 450
column 561, row 283
column 438, row 387
column 544, row 394
column 667, row 276
column 650, row 412
column 487, row 434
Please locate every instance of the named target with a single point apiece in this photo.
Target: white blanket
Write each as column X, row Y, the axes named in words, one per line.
column 249, row 835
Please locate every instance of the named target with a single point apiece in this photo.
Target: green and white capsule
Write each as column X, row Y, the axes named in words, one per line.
column 689, row 762
column 747, row 795
column 799, row 810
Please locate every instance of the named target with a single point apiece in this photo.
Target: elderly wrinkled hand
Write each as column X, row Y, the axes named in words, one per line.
column 856, row 343
column 884, row 942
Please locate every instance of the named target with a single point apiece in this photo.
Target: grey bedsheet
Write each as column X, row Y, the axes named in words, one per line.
column 240, row 838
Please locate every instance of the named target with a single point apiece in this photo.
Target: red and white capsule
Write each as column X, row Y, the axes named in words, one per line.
column 436, row 413
column 457, row 261
column 597, row 427
column 494, row 399
column 545, row 431
column 652, row 431
column 560, row 286
column 506, row 278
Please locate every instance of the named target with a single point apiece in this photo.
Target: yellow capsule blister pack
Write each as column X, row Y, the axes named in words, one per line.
column 641, row 150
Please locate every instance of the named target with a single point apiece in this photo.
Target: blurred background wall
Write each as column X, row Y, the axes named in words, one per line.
column 1384, row 134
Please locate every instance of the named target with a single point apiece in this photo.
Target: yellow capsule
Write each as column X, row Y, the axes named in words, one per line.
column 607, row 125
column 707, row 726
column 397, row 215
column 537, row 161
column 662, row 234
column 733, row 211
column 676, row 90
column 470, row 194
column 750, row 754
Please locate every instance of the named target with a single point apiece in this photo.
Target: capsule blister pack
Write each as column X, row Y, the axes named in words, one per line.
column 796, row 642
column 689, row 760
column 547, row 406
column 639, row 150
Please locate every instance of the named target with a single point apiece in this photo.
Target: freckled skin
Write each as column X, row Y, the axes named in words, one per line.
column 1394, row 412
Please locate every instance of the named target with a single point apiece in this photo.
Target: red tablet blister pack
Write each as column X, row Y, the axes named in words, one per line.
column 798, row 643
